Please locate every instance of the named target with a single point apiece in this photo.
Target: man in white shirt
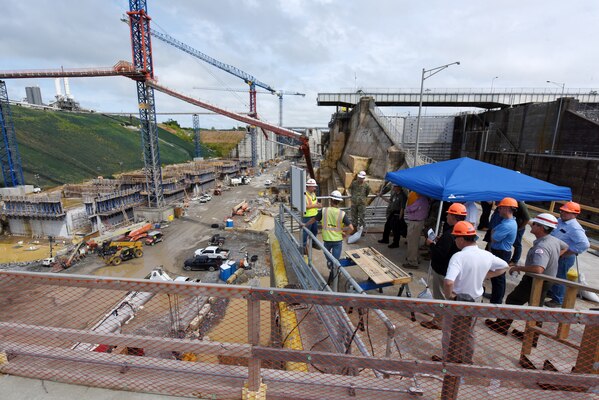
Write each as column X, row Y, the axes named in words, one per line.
column 466, row 272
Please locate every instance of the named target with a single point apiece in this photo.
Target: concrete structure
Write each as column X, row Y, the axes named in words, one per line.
column 520, row 138
column 458, row 98
column 358, row 140
column 105, row 203
column 34, row 95
column 436, row 135
column 266, row 147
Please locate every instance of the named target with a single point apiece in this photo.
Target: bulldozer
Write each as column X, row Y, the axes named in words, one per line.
column 116, row 252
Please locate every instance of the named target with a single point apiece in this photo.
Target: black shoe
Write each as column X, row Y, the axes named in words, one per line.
column 383, row 241
column 393, row 245
column 436, row 358
column 495, row 327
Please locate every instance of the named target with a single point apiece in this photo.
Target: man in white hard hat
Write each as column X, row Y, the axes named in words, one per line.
column 312, row 207
column 359, row 195
column 542, row 258
column 335, row 224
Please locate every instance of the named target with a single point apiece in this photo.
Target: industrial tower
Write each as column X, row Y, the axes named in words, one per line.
column 139, row 23
column 12, row 171
column 196, row 135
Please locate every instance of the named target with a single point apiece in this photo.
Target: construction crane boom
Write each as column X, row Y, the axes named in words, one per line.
column 304, row 143
column 249, row 79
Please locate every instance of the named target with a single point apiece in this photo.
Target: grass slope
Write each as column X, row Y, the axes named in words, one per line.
column 63, row 147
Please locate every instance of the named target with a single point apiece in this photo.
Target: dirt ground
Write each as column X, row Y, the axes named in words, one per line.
column 181, row 238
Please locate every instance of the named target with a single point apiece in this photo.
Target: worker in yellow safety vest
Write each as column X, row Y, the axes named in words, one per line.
column 335, row 223
column 312, row 207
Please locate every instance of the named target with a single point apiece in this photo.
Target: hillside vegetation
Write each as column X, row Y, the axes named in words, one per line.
column 64, row 147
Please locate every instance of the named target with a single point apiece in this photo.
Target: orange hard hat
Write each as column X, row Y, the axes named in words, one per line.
column 508, row 202
column 571, row 207
column 463, row 228
column 457, row 209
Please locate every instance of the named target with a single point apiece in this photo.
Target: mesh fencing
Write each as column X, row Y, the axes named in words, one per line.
column 220, row 341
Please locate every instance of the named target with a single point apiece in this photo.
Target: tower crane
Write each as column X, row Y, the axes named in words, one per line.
column 278, row 93
column 247, row 78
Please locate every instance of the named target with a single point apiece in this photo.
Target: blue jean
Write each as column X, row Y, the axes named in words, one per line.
column 563, row 265
column 335, row 249
column 498, row 282
column 312, row 228
column 518, row 246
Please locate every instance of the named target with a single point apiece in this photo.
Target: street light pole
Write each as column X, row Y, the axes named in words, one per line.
column 430, row 73
column 492, row 82
column 559, row 112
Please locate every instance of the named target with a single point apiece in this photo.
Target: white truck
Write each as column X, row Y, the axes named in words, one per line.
column 235, row 181
column 213, row 252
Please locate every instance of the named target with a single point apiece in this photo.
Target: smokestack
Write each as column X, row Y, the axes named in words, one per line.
column 67, row 89
column 58, row 89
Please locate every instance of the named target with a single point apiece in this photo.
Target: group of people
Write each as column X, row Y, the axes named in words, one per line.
column 458, row 266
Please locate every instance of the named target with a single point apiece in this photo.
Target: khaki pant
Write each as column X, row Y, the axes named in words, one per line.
column 414, row 233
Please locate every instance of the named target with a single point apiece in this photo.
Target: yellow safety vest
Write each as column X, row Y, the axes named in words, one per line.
column 332, row 221
column 310, row 201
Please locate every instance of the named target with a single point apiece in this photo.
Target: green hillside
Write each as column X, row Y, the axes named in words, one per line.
column 64, row 147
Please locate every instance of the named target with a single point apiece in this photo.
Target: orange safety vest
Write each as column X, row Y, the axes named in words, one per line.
column 332, row 221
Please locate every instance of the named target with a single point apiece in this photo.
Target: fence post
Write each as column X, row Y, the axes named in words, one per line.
column 253, row 340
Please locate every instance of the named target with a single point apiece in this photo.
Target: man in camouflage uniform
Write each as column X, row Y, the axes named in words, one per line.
column 359, row 195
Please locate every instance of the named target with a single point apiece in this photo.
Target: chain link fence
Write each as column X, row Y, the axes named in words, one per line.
column 224, row 341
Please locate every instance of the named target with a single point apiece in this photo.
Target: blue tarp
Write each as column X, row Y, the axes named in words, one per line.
column 465, row 179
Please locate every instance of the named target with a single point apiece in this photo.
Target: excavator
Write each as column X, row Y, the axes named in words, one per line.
column 116, row 252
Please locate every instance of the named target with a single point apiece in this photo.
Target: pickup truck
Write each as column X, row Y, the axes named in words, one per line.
column 202, row 263
column 214, row 252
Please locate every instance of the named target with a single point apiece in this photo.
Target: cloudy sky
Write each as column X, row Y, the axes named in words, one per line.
column 307, row 46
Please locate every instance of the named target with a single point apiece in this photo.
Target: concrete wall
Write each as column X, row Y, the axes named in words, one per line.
column 357, row 141
column 37, row 227
column 520, row 138
column 267, row 149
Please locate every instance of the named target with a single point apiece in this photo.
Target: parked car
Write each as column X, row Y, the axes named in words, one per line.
column 213, row 252
column 268, row 182
column 202, row 263
column 205, row 198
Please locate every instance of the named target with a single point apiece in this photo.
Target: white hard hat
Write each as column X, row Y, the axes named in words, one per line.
column 336, row 195
column 311, row 182
column 546, row 219
column 361, row 174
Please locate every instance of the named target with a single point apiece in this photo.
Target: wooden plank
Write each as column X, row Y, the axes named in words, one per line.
column 379, row 268
column 588, row 356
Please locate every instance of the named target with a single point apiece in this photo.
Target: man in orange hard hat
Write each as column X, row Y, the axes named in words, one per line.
column 569, row 230
column 466, row 272
column 502, row 239
column 442, row 249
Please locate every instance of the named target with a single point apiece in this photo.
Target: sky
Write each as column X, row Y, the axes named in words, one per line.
column 306, row 46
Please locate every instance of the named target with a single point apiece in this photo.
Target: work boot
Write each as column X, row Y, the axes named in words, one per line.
column 500, row 326
column 393, row 245
column 383, row 241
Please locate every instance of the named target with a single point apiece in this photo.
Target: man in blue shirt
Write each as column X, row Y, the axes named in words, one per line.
column 502, row 240
column 569, row 230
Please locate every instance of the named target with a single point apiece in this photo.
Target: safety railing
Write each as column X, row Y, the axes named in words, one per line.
column 222, row 341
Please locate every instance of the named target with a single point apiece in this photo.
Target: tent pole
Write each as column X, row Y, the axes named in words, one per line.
column 439, row 218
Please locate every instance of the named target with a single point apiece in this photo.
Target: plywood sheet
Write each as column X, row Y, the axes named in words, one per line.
column 379, row 268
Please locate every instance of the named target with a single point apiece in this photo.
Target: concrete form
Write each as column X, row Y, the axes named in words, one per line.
column 105, row 203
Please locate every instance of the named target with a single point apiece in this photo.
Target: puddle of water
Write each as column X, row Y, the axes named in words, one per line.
column 13, row 251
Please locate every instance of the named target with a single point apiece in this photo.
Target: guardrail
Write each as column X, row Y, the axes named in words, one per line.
column 231, row 348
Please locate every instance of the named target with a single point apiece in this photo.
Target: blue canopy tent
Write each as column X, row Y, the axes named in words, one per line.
column 465, row 179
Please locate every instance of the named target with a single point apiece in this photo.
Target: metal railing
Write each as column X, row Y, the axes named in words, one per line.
column 393, row 132
column 228, row 351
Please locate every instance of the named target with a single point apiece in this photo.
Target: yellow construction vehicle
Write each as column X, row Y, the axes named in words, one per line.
column 116, row 252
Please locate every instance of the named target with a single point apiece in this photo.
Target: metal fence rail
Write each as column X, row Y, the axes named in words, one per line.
column 179, row 344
